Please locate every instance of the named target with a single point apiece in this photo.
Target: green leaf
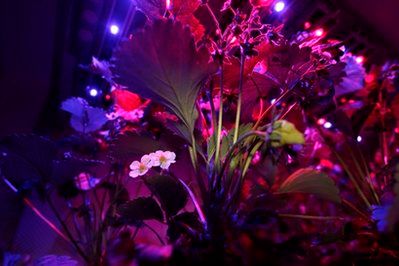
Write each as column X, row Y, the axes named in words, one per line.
column 309, row 181
column 170, row 193
column 180, row 130
column 162, row 63
column 211, row 147
column 227, row 141
column 134, row 212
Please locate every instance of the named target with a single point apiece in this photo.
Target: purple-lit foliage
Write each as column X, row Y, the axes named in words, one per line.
column 227, row 143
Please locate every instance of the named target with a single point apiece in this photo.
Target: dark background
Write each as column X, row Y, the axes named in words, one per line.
column 43, row 42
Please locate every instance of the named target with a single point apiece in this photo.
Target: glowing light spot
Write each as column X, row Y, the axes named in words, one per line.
column 233, row 39
column 307, row 25
column 327, row 125
column 279, row 6
column 319, row 32
column 370, row 78
column 168, row 4
column 321, row 121
column 359, row 59
column 359, row 138
column 272, row 101
column 93, row 92
column 114, row 29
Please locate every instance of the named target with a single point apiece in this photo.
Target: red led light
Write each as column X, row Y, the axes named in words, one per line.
column 370, row 78
column 321, row 121
column 359, row 59
column 319, row 32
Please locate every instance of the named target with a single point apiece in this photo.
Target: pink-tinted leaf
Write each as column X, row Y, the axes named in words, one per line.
column 282, row 59
column 223, row 16
column 162, row 63
column 354, row 79
column 258, row 92
column 101, row 68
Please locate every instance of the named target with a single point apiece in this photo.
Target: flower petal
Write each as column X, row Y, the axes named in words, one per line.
column 135, row 173
column 135, row 165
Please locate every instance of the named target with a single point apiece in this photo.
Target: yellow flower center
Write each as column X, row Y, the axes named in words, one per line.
column 142, row 167
column 162, row 159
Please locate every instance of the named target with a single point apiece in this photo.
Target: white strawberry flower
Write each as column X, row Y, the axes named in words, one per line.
column 139, row 168
column 163, row 159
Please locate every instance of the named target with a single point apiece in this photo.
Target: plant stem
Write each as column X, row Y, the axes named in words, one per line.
column 368, row 176
column 135, row 232
column 194, row 160
column 67, row 237
column 238, row 114
column 213, row 17
column 289, row 110
column 237, row 187
column 353, row 180
column 193, row 153
column 195, row 202
column 269, row 108
column 346, row 168
column 155, row 233
column 234, row 146
column 220, row 119
column 353, row 207
column 249, row 158
column 65, row 227
column 360, row 171
column 309, row 217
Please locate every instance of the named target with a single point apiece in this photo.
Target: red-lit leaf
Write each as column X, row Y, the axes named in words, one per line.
column 126, row 100
column 258, row 91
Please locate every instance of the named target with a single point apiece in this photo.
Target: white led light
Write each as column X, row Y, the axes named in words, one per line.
column 319, row 32
column 279, row 6
column 114, row 29
column 327, row 125
column 359, row 59
column 93, row 92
